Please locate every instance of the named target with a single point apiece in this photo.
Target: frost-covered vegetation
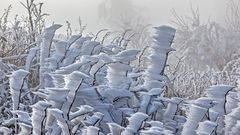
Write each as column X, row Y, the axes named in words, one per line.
column 83, row 84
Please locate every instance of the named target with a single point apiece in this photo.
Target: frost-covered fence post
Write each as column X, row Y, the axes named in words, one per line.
column 45, row 47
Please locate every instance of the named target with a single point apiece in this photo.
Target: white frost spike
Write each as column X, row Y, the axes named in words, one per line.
column 25, row 129
column 231, row 120
column 56, row 96
column 16, row 85
column 23, row 117
column 74, row 50
column 205, row 102
column 45, row 49
column 231, row 99
column 206, row 128
column 58, row 80
column 172, row 108
column 78, row 44
column 52, row 64
column 117, row 75
column 165, row 34
column 5, row 131
column 154, row 107
column 154, row 92
column 40, row 94
column 61, row 48
column 83, row 110
column 236, row 128
column 97, row 70
column 91, row 130
column 115, row 129
column 134, row 75
column 120, row 67
column 73, row 39
column 151, row 73
column 195, row 116
column 73, row 83
column 73, row 67
column 155, row 124
column 58, row 114
column 88, row 47
column 85, row 62
column 118, row 70
column 127, row 111
column 135, row 122
column 38, row 115
column 10, row 122
column 158, row 58
column 112, row 94
column 104, row 57
column 94, row 120
column 154, row 84
column 87, row 58
column 145, row 102
column 32, row 53
column 152, row 132
column 102, row 60
column 78, row 75
column 219, row 93
column 127, row 55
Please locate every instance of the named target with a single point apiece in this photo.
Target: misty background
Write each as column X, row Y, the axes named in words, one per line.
column 99, row 14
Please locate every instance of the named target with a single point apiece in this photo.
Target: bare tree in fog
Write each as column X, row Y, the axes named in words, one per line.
column 124, row 16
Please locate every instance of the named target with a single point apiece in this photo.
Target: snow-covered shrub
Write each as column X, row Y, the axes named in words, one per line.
column 77, row 101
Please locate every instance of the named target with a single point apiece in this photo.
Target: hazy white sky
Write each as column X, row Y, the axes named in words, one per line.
column 157, row 11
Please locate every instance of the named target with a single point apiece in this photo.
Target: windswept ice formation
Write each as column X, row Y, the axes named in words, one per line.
column 88, row 87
